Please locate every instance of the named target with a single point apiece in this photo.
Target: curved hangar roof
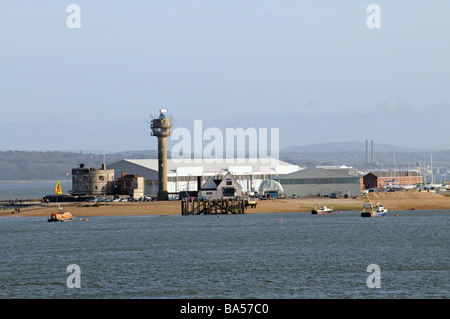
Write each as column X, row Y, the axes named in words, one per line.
column 270, row 185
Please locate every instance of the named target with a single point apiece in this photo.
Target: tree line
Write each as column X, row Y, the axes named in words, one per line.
column 50, row 165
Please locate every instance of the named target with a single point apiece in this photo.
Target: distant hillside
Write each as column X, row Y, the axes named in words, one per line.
column 348, row 147
column 53, row 165
column 357, row 159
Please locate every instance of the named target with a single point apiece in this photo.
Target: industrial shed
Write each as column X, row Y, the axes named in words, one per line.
column 320, row 182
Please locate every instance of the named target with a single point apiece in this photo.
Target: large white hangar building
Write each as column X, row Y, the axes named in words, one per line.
column 190, row 175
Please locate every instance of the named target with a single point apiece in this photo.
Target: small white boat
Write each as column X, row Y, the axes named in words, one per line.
column 321, row 210
column 380, row 209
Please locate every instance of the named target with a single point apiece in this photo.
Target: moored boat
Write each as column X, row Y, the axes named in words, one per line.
column 321, row 210
column 369, row 210
column 380, row 209
column 61, row 216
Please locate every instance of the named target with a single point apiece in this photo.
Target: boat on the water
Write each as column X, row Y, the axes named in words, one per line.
column 380, row 209
column 369, row 210
column 61, row 216
column 321, row 210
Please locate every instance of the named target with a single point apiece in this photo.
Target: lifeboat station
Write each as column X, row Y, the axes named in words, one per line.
column 189, row 176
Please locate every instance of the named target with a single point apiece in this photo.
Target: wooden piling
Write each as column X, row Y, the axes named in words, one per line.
column 215, row 206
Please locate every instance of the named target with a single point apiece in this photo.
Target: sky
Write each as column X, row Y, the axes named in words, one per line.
column 313, row 69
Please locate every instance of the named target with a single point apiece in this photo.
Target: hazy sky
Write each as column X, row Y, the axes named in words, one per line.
column 313, row 69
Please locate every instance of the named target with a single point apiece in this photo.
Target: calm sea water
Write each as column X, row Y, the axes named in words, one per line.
column 31, row 190
column 295, row 255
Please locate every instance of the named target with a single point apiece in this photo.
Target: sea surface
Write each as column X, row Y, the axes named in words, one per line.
column 31, row 190
column 273, row 255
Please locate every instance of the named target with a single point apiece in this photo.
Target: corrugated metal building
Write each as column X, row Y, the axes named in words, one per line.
column 320, row 182
column 190, row 175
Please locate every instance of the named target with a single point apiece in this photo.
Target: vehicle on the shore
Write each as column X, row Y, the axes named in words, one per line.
column 369, row 210
column 61, row 216
column 321, row 210
column 251, row 201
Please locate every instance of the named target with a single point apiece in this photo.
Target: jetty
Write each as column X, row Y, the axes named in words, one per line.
column 213, row 206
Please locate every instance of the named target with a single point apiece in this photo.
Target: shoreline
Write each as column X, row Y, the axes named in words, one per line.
column 393, row 202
